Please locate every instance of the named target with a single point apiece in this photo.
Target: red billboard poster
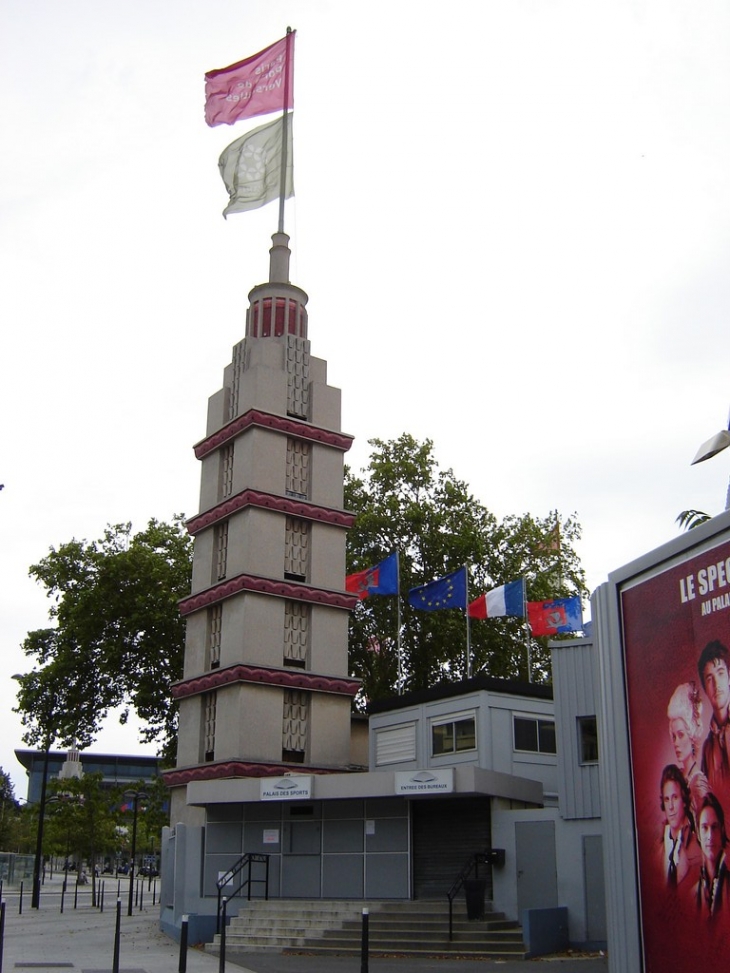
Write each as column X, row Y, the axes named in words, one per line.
column 676, row 628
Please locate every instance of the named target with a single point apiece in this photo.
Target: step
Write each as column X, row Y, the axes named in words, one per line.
column 400, row 927
column 496, row 953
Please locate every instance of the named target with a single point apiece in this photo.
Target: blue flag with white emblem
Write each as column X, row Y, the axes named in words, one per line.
column 446, row 592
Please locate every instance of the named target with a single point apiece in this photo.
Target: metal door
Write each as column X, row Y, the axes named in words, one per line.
column 537, row 874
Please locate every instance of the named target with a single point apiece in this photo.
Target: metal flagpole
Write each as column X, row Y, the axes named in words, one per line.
column 528, row 636
column 398, row 633
column 285, row 132
column 468, row 625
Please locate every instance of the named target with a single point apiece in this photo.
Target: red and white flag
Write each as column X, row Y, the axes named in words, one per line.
column 261, row 84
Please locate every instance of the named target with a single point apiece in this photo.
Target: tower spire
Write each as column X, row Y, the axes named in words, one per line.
column 279, row 259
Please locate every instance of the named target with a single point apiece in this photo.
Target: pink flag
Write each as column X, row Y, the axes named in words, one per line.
column 260, row 84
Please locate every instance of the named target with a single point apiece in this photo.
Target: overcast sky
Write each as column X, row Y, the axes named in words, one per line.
column 511, row 216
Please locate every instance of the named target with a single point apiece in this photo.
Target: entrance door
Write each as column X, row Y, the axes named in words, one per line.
column 446, row 832
column 301, row 859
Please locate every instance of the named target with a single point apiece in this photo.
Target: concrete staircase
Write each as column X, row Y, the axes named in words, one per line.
column 410, row 928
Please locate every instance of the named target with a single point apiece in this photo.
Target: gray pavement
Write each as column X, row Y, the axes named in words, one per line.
column 82, row 939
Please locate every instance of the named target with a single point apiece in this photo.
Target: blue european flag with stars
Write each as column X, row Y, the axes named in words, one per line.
column 446, row 592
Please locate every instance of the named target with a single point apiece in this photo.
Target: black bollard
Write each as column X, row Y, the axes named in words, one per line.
column 183, row 964
column 117, row 936
column 2, row 933
column 76, row 895
column 20, row 900
column 364, row 948
column 63, row 896
column 154, row 893
column 101, row 901
column 141, row 895
column 222, row 954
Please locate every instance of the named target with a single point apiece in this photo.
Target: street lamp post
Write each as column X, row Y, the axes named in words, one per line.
column 46, row 714
column 135, row 795
column 712, row 447
column 35, row 900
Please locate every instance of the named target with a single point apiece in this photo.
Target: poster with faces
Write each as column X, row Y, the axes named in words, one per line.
column 676, row 635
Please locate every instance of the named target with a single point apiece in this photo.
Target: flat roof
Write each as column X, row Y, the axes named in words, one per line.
column 445, row 690
column 26, row 757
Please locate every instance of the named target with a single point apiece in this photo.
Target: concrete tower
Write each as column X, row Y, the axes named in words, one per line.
column 265, row 689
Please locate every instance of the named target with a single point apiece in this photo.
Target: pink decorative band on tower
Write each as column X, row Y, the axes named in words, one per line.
column 286, row 426
column 270, row 501
column 286, row 678
column 267, row 586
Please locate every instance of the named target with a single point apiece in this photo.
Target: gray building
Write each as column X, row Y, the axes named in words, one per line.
column 270, row 761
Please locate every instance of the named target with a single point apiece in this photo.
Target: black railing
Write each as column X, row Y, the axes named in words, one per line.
column 244, row 863
column 491, row 856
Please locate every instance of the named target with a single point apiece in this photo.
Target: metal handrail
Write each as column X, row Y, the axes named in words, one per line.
column 472, row 865
column 245, row 860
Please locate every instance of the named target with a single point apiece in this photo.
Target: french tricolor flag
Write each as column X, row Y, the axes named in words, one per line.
column 508, row 599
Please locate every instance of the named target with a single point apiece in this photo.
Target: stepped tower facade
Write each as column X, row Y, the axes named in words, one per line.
column 265, row 689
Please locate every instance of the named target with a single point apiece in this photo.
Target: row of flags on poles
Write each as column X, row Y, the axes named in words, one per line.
column 258, row 167
column 554, row 616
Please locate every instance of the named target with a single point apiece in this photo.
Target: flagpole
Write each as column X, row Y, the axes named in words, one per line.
column 285, row 132
column 468, row 626
column 398, row 635
column 528, row 638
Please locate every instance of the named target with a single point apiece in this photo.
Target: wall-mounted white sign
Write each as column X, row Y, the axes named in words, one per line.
column 294, row 788
column 425, row 781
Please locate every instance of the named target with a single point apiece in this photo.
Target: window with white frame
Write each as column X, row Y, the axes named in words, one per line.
column 395, row 744
column 532, row 734
column 453, row 734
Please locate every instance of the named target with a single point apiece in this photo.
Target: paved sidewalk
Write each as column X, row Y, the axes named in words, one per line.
column 303, row 963
column 82, row 940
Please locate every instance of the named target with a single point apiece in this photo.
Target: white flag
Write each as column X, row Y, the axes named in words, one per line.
column 251, row 167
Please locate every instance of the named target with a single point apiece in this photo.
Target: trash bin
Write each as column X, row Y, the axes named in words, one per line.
column 475, row 890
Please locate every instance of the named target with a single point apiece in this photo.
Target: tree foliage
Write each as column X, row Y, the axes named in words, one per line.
column 117, row 638
column 82, row 816
column 89, row 822
column 691, row 518
column 9, row 810
column 404, row 501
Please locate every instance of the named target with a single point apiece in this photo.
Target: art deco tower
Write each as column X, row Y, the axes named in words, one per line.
column 265, row 688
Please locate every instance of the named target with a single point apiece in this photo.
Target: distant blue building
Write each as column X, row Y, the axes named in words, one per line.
column 116, row 769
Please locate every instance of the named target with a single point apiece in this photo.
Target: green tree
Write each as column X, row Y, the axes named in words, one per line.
column 81, row 820
column 404, row 501
column 9, row 810
column 117, row 638
column 153, row 814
